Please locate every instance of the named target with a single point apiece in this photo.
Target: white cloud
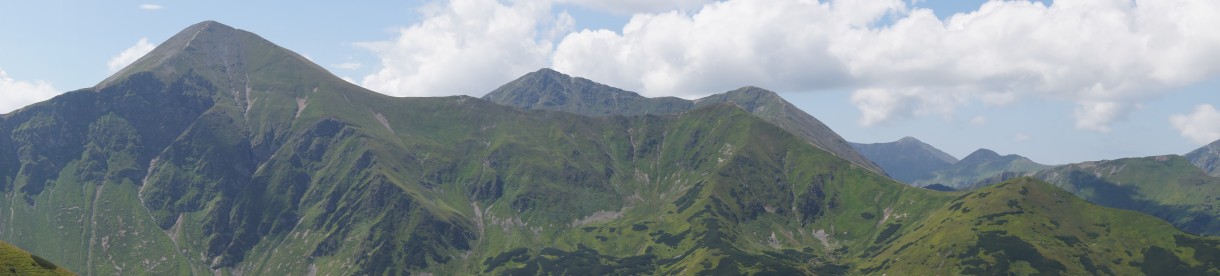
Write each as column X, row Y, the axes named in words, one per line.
column 466, row 47
column 130, row 55
column 1020, row 137
column 639, row 6
column 349, row 65
column 1105, row 55
column 1201, row 127
column 16, row 94
column 150, row 7
column 978, row 120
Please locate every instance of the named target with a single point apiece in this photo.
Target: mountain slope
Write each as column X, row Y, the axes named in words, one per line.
column 547, row 89
column 979, row 166
column 14, row 261
column 907, row 159
column 257, row 162
column 1026, row 226
column 260, row 162
column 1168, row 187
column 1207, row 158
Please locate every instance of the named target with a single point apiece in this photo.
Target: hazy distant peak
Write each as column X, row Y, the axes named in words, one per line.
column 982, row 154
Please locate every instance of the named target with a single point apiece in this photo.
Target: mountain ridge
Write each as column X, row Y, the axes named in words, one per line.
column 548, row 89
column 259, row 165
column 908, row 159
column 978, row 166
column 1207, row 158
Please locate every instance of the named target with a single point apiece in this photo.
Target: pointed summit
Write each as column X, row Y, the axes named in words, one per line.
column 219, row 53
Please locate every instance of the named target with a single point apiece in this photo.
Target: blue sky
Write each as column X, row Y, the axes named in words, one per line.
column 1059, row 82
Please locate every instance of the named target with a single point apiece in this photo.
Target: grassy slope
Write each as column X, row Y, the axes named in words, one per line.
column 263, row 165
column 1027, row 226
column 14, row 261
column 1169, row 187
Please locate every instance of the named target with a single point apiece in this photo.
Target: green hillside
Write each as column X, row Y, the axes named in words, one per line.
column 221, row 153
column 14, row 261
column 1028, row 227
column 1168, row 187
column 547, row 89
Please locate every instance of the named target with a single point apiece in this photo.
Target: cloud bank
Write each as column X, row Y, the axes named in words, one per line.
column 1201, row 126
column 130, row 55
column 15, row 94
column 898, row 61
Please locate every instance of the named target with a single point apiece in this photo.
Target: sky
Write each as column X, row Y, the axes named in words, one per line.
column 1056, row 81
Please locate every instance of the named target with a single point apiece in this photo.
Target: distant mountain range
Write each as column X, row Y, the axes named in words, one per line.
column 919, row 164
column 222, row 153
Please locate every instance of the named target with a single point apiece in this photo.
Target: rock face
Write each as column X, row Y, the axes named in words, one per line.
column 1207, row 158
column 548, row 89
column 907, row 159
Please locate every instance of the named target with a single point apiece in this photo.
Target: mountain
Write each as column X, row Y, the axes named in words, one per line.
column 222, row 153
column 14, row 261
column 907, row 159
column 1029, row 227
column 1168, row 187
column 548, row 89
column 977, row 166
column 1207, row 158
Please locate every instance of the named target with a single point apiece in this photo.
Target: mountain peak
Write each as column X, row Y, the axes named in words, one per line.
column 982, row 154
column 909, row 139
column 553, row 90
column 215, row 50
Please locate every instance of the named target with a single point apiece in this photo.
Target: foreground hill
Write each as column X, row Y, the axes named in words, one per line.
column 14, row 261
column 907, row 159
column 222, row 153
column 547, row 89
column 1025, row 226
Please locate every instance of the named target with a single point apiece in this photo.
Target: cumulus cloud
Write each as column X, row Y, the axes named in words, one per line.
column 466, row 47
column 150, row 7
column 16, row 94
column 130, row 55
column 1105, row 56
column 978, row 120
column 1020, row 137
column 1201, row 126
column 349, row 65
column 898, row 61
column 639, row 6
